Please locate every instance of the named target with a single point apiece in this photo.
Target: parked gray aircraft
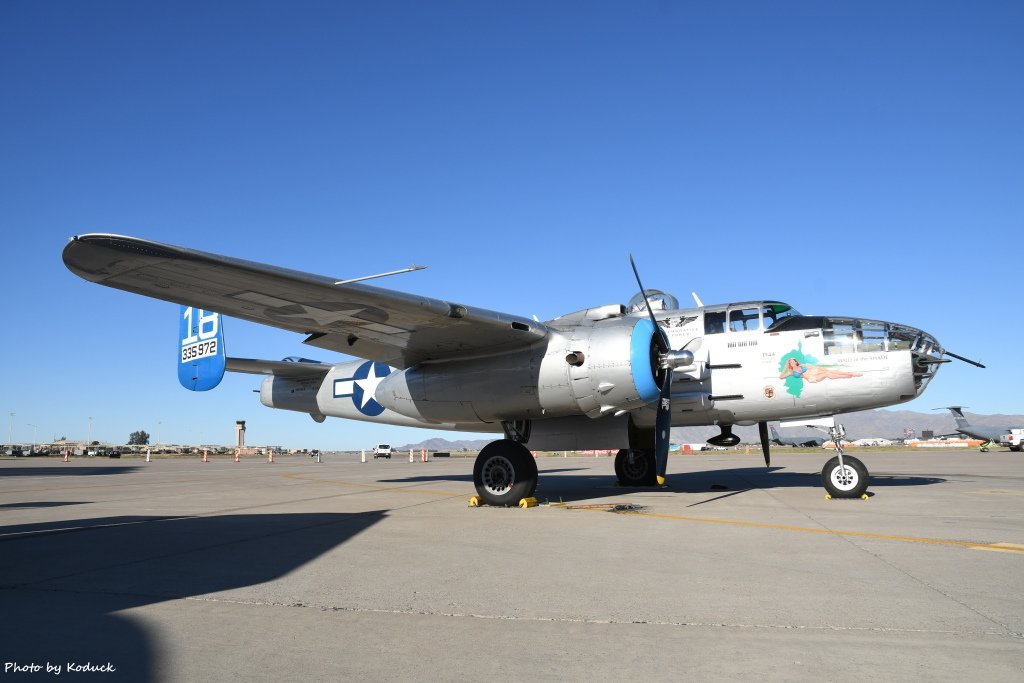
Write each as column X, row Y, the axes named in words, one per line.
column 606, row 377
column 804, row 441
column 989, row 434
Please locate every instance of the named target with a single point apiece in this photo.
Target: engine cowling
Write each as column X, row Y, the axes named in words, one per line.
column 595, row 368
column 606, row 367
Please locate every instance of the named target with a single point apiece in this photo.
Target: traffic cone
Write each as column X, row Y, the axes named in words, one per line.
column 236, row 456
column 205, row 458
column 270, row 456
column 66, row 455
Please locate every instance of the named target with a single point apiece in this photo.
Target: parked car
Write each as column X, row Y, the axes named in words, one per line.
column 382, row 450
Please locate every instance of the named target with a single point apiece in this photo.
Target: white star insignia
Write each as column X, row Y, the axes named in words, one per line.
column 326, row 318
column 369, row 384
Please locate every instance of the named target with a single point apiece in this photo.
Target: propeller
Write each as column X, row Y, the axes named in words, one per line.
column 667, row 361
column 762, row 431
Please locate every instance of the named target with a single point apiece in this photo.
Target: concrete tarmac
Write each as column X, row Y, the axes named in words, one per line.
column 179, row 570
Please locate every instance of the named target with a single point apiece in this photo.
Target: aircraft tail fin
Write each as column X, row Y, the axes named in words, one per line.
column 201, row 359
column 958, row 415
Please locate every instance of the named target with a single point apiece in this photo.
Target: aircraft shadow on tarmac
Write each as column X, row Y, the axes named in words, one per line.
column 64, row 471
column 61, row 591
column 41, row 504
column 575, row 487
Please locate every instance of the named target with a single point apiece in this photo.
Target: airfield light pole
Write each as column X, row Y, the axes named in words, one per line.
column 35, row 434
column 10, row 435
column 158, row 423
column 90, row 433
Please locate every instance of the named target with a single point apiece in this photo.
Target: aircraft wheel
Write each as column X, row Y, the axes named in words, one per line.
column 637, row 470
column 504, row 473
column 849, row 481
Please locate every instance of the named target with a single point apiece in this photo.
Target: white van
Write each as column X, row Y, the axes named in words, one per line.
column 382, row 450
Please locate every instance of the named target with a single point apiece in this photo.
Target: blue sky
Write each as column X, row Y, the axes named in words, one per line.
column 852, row 158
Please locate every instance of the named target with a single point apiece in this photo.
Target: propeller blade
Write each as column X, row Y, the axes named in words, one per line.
column 663, row 422
column 762, row 430
column 663, row 427
column 650, row 311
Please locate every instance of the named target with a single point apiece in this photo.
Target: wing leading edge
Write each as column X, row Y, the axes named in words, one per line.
column 379, row 324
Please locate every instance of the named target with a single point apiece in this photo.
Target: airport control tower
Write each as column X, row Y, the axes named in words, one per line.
column 240, row 433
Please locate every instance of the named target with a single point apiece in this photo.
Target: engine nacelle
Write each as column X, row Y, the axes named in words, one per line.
column 291, row 394
column 594, row 369
column 601, row 368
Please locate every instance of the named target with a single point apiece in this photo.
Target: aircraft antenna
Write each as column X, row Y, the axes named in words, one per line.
column 371, row 277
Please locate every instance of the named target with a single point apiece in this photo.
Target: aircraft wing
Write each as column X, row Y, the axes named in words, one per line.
column 360, row 320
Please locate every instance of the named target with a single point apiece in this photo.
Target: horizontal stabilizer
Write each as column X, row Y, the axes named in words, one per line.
column 289, row 367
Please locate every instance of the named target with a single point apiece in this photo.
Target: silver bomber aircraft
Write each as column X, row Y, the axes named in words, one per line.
column 608, row 377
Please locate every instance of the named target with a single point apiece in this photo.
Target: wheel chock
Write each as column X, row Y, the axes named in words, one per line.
column 475, row 502
column 828, row 496
column 864, row 496
column 527, row 503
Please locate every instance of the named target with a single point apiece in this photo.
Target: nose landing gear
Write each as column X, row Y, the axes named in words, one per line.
column 844, row 476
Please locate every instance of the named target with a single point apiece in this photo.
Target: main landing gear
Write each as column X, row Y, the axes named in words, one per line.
column 844, row 476
column 505, row 472
column 635, row 467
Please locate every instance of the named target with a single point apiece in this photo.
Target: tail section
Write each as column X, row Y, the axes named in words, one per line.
column 201, row 360
column 958, row 415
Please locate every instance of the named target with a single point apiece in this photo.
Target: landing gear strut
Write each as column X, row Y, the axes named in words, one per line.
column 505, row 473
column 844, row 476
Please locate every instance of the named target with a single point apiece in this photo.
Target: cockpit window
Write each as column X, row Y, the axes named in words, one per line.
column 840, row 336
column 714, row 322
column 744, row 319
column 775, row 312
column 902, row 338
column 872, row 336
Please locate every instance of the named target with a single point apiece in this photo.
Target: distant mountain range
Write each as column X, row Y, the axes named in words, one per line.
column 439, row 444
column 885, row 424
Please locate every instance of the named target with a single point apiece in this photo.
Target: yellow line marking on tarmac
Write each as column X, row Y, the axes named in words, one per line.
column 374, row 487
column 1001, row 547
column 997, row 547
column 610, row 507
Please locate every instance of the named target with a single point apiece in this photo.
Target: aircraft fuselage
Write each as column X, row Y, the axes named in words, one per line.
column 593, row 378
